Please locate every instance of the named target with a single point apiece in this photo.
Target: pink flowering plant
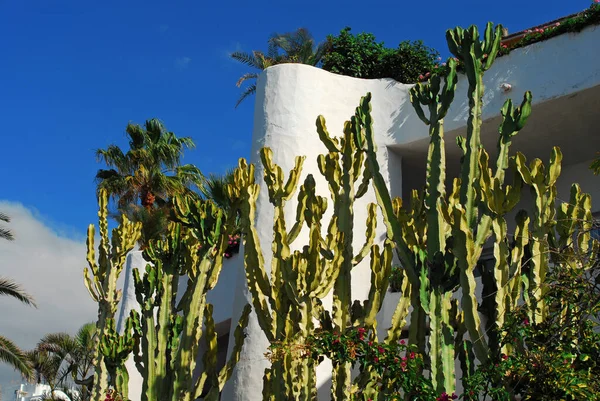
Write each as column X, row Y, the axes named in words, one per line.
column 396, row 368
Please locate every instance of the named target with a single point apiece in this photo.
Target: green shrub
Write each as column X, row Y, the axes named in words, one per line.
column 361, row 56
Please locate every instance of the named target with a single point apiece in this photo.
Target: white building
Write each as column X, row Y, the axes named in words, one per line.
column 563, row 73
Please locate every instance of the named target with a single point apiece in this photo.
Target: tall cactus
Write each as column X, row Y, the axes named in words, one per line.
column 440, row 240
column 289, row 299
column 171, row 328
column 100, row 278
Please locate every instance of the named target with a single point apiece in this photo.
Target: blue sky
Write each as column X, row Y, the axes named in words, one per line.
column 74, row 73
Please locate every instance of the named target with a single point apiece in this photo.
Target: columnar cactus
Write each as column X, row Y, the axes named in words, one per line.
column 116, row 350
column 170, row 330
column 439, row 241
column 289, row 299
column 101, row 277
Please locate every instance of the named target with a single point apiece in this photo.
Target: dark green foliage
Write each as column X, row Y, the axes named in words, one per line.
column 352, row 55
column 361, row 56
column 396, row 279
column 557, row 359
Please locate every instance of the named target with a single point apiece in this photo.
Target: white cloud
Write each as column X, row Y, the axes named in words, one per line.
column 182, row 62
column 49, row 267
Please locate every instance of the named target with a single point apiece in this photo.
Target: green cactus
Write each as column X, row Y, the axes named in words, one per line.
column 439, row 241
column 116, row 350
column 100, row 278
column 289, row 299
column 170, row 327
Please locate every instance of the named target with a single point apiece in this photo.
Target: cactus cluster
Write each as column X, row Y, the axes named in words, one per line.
column 164, row 337
column 175, row 319
column 100, row 278
column 288, row 299
column 438, row 239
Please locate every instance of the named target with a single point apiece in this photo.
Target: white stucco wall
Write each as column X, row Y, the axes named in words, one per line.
column 289, row 98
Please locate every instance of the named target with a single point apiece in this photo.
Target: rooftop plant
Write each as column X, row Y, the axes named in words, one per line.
column 361, row 56
column 290, row 47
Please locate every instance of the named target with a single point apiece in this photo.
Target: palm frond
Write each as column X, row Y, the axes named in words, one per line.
column 245, row 77
column 215, row 189
column 250, row 90
column 113, row 157
column 5, row 233
column 12, row 289
column 247, row 59
column 15, row 357
column 4, row 217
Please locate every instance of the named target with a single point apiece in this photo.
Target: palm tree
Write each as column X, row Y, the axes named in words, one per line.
column 5, row 233
column 215, row 189
column 149, row 174
column 291, row 47
column 75, row 353
column 10, row 353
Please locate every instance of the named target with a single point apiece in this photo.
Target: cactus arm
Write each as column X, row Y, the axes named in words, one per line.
column 369, row 234
column 435, row 334
column 366, row 142
column 332, row 144
column 513, row 120
column 447, row 344
column 401, row 311
column 501, row 276
column 381, row 266
column 466, row 261
column 102, row 286
column 258, row 282
column 239, row 336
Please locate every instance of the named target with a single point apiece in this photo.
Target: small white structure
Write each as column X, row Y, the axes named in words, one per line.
column 38, row 392
column 564, row 75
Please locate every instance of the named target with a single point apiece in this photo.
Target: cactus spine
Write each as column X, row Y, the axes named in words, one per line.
column 100, row 278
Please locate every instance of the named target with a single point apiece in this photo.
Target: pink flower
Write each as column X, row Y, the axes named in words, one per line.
column 526, row 322
column 361, row 333
column 427, row 75
column 421, row 77
column 596, row 1
column 439, row 59
column 402, row 342
column 558, row 23
column 376, row 359
column 412, row 355
column 380, row 350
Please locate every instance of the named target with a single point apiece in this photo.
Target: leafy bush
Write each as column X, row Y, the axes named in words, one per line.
column 361, row 56
column 558, row 359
